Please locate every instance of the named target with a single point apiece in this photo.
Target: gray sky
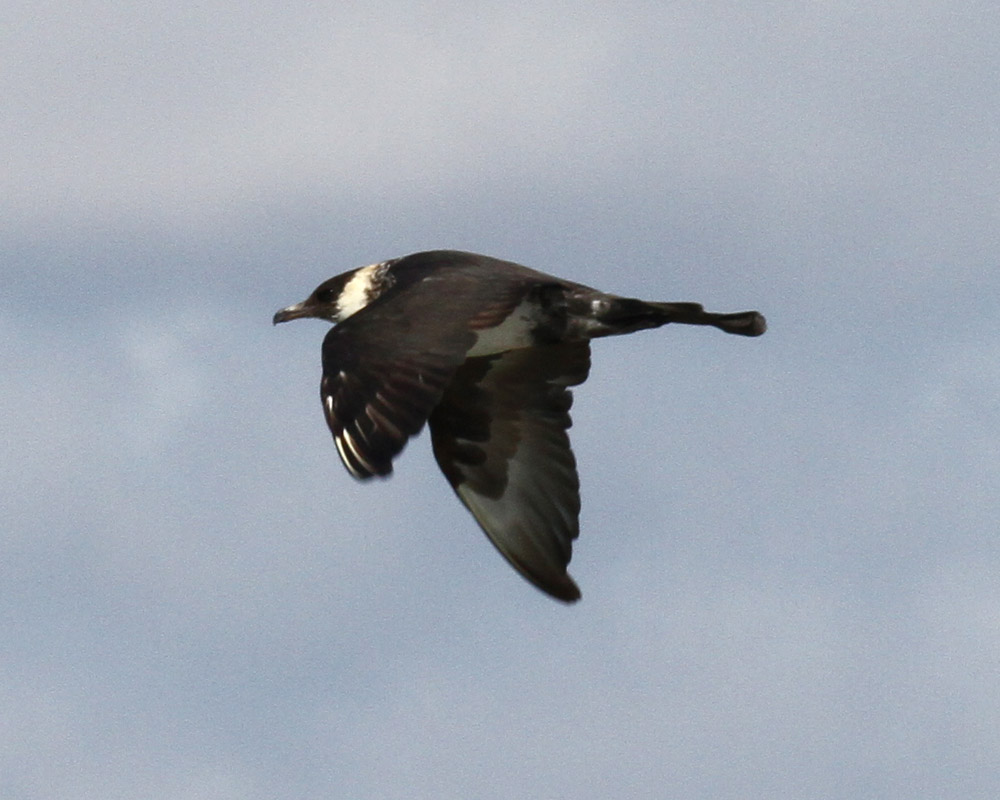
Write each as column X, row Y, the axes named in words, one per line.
column 789, row 553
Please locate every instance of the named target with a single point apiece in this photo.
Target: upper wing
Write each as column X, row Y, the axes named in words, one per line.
column 387, row 366
column 499, row 435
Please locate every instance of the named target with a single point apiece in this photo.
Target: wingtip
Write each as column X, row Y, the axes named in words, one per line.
column 569, row 599
column 564, row 590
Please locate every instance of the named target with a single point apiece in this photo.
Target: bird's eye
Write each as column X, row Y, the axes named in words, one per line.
column 324, row 296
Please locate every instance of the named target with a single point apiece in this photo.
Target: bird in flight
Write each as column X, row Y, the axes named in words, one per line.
column 484, row 352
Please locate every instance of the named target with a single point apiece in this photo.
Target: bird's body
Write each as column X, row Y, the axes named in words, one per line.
column 484, row 351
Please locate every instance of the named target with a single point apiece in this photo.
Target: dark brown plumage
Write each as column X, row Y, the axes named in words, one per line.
column 484, row 351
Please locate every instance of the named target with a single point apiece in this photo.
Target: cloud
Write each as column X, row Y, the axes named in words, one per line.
column 193, row 112
column 787, row 544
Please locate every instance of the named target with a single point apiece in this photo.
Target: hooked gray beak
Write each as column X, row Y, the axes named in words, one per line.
column 297, row 311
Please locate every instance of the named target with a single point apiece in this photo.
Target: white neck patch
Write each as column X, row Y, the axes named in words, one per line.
column 359, row 290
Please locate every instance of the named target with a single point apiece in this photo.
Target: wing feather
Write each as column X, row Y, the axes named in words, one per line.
column 500, row 437
column 386, row 367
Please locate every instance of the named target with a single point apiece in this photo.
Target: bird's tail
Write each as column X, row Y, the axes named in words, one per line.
column 742, row 323
column 637, row 314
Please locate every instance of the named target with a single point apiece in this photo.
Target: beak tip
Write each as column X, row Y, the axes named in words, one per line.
column 285, row 314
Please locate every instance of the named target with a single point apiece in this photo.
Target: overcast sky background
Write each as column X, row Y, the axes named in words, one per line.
column 789, row 554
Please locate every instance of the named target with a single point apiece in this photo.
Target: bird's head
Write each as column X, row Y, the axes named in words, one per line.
column 322, row 303
column 340, row 297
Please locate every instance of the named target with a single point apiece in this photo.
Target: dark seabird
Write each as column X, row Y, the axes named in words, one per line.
column 484, row 351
